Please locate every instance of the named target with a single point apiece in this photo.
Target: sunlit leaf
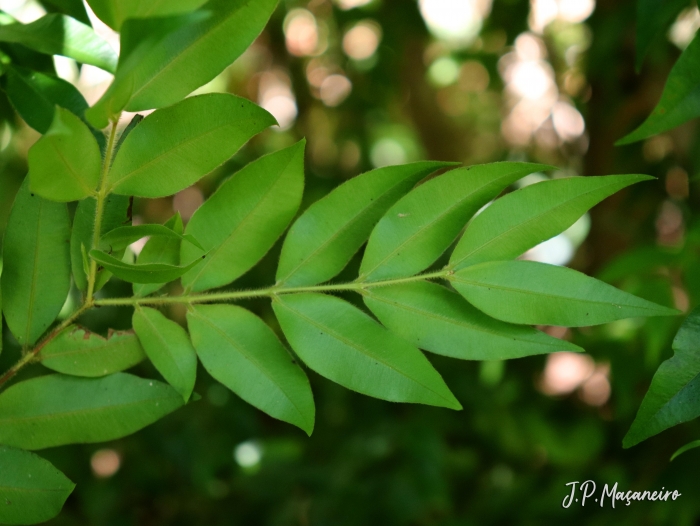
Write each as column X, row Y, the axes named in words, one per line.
column 241, row 351
column 245, row 216
column 345, row 345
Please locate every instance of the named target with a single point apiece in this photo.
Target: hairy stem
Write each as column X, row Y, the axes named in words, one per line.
column 266, row 292
column 99, row 209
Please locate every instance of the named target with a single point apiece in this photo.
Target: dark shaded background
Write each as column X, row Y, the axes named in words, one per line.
column 504, row 459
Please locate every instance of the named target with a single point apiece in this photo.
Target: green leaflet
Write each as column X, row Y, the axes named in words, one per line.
column 79, row 352
column 122, row 237
column 168, row 347
column 73, row 8
column 522, row 219
column 62, row 35
column 687, row 447
column 653, row 17
column 538, row 294
column 321, row 242
column 673, row 394
column 0, row 306
column 241, row 351
column 420, row 227
column 142, row 273
column 65, row 164
column 175, row 58
column 36, row 275
column 160, row 250
column 115, row 12
column 55, row 410
column 32, row 490
column 243, row 219
column 680, row 100
column 117, row 213
column 35, row 96
column 438, row 320
column 345, row 345
column 176, row 146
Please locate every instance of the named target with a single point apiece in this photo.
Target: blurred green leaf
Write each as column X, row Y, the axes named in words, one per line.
column 438, row 320
column 243, row 219
column 687, row 447
column 31, row 489
column 73, row 8
column 80, row 352
column 55, row 410
column 142, row 273
column 345, row 345
column 653, row 17
column 241, row 351
column 115, row 12
column 36, row 274
column 325, row 237
column 176, row 146
column 168, row 346
column 534, row 293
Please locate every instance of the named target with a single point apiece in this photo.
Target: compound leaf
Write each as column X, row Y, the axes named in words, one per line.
column 241, row 351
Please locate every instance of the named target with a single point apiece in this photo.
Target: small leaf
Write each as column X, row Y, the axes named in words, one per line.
column 175, row 56
column 687, row 447
column 522, row 219
column 176, row 146
column 420, row 227
column 122, row 237
column 56, row 410
column 64, row 165
column 168, row 347
column 241, row 351
column 673, row 394
column 116, row 213
column 436, row 319
column 62, row 35
column 325, row 237
column 680, row 100
column 32, row 490
column 538, row 294
column 245, row 216
column 143, row 273
column 653, row 17
column 36, row 275
column 160, row 250
column 115, row 12
column 35, row 96
column 79, row 352
column 345, row 345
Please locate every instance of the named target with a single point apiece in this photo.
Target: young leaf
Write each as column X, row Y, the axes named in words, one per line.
column 122, row 237
column 55, row 410
column 680, row 100
column 243, row 219
column 79, row 352
column 438, row 320
column 64, row 165
column 653, row 17
column 117, row 212
column 62, row 35
column 672, row 396
column 176, row 146
column 176, row 58
column 325, row 237
column 35, row 96
column 115, row 12
column 345, row 345
column 31, row 489
column 418, row 229
column 522, row 219
column 36, row 275
column 160, row 250
column 538, row 294
column 143, row 273
column 241, row 351
column 168, row 347
column 687, row 447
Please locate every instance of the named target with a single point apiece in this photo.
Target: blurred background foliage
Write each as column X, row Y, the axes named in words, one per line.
column 377, row 82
